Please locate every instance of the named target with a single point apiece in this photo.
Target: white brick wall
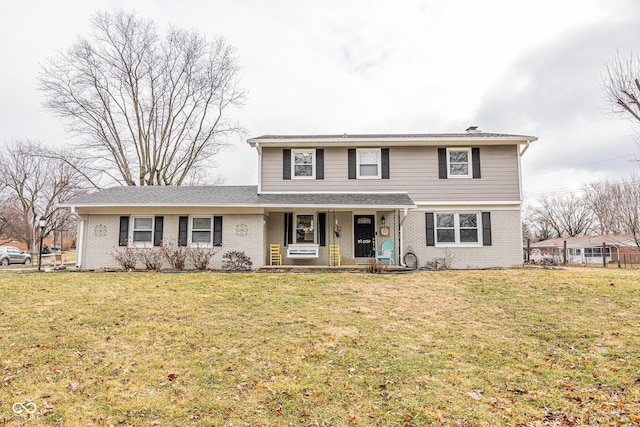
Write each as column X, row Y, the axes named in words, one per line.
column 505, row 251
column 98, row 249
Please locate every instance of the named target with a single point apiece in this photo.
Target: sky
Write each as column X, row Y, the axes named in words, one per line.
column 356, row 66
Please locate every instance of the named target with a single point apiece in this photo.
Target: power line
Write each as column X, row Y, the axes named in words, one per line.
column 572, row 190
column 578, row 166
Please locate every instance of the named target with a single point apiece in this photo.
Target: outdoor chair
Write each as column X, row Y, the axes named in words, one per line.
column 385, row 252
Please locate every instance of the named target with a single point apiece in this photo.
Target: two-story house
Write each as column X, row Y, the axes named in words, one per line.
column 442, row 196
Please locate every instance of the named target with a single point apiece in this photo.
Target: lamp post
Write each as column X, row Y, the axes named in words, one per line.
column 41, row 224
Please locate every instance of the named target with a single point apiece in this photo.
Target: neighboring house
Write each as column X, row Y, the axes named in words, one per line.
column 588, row 249
column 443, row 196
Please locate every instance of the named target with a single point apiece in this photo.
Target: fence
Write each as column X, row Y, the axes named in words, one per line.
column 629, row 260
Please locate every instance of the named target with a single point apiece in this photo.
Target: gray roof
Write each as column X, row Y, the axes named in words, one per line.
column 233, row 196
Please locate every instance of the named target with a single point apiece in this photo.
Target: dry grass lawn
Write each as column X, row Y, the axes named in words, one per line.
column 472, row 348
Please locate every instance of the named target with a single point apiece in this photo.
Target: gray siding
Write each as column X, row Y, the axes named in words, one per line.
column 412, row 169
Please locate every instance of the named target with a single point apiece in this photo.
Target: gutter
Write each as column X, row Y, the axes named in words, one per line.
column 259, row 150
column 401, row 248
column 526, row 147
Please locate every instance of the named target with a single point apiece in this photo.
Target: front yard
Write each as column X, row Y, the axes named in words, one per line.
column 467, row 348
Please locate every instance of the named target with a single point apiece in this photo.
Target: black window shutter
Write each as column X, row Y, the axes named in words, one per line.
column 322, row 228
column 124, row 231
column 486, row 228
column 183, row 230
column 157, row 230
column 217, row 231
column 288, row 228
column 385, row 163
column 320, row 163
column 475, row 160
column 431, row 232
column 351, row 160
column 286, row 164
column 442, row 163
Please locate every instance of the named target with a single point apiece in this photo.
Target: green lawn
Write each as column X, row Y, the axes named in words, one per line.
column 516, row 347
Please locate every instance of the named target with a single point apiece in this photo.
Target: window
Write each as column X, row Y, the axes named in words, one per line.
column 457, row 229
column 303, row 163
column 304, row 229
column 206, row 230
column 142, row 233
column 596, row 252
column 201, row 230
column 459, row 162
column 368, row 163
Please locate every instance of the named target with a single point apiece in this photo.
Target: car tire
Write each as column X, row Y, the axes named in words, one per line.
column 4, row 261
column 27, row 261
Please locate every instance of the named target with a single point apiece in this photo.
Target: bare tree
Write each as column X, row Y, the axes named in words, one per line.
column 627, row 198
column 622, row 85
column 566, row 216
column 150, row 110
column 602, row 198
column 34, row 185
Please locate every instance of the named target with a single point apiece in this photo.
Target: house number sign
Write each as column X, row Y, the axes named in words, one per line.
column 242, row 230
column 100, row 230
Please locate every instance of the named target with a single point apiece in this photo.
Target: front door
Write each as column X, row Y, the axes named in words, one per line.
column 363, row 232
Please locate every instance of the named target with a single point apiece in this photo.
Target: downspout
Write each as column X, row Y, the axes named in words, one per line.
column 259, row 150
column 401, row 248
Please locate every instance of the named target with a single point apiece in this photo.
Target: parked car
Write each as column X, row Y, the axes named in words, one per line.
column 13, row 255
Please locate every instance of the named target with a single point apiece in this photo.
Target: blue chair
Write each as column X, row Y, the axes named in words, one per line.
column 385, row 252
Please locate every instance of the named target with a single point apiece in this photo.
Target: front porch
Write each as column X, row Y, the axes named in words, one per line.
column 305, row 238
column 352, row 268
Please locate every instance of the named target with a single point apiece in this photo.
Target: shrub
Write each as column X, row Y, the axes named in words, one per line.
column 151, row 258
column 127, row 257
column 201, row 256
column 374, row 267
column 175, row 255
column 236, row 261
column 442, row 263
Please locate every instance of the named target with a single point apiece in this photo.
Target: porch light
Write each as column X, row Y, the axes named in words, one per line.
column 382, row 219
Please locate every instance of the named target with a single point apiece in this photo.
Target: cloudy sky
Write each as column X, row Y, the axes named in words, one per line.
column 374, row 66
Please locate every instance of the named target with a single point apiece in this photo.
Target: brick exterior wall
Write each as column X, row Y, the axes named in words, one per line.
column 100, row 238
column 504, row 252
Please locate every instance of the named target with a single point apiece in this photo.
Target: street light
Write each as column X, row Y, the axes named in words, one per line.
column 41, row 223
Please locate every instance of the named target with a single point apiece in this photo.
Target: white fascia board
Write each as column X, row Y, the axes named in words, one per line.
column 335, row 192
column 391, row 141
column 340, row 207
column 471, row 203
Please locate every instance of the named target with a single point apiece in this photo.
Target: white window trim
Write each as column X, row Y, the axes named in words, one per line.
column 293, row 163
column 133, row 229
column 456, row 228
column 379, row 157
column 295, row 228
column 190, row 232
column 470, row 163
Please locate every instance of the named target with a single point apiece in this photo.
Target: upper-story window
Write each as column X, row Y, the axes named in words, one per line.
column 459, row 162
column 368, row 163
column 303, row 163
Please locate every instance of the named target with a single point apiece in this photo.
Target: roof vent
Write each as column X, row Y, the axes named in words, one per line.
column 473, row 129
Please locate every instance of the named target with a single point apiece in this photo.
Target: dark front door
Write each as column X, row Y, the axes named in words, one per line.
column 363, row 235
